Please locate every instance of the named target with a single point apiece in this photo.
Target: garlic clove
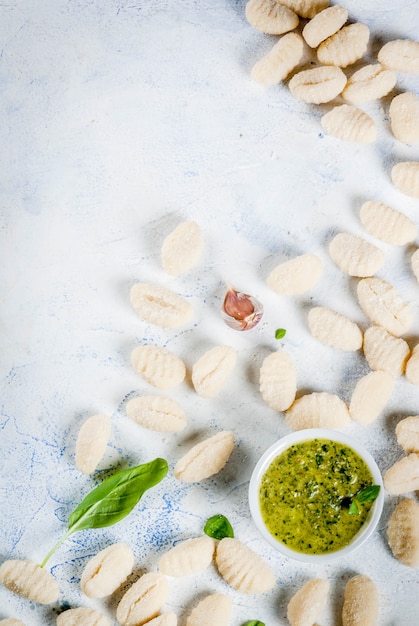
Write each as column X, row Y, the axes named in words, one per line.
column 240, row 310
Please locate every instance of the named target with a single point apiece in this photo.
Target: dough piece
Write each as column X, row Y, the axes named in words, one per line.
column 166, row 619
column 160, row 306
column 308, row 603
column 107, row 570
column 143, row 600
column 361, row 604
column 334, row 330
column 407, row 433
column 182, row 248
column 82, row 617
column 349, row 123
column 318, row 85
column 210, row 373
column 355, row 256
column 387, row 224
column 414, row 260
column 403, row 532
column 11, row 621
column 295, row 276
column 318, row 410
column 412, row 366
column 188, row 557
column 270, row 17
column 370, row 396
column 382, row 303
column 157, row 413
column 385, row 352
column 29, row 580
column 401, row 55
column 324, row 25
column 213, row 610
column 344, row 47
column 242, row 568
column 158, row 366
column 403, row 476
column 404, row 117
column 278, row 380
column 280, row 61
column 405, row 177
column 206, row 458
column 91, row 442
column 369, row 83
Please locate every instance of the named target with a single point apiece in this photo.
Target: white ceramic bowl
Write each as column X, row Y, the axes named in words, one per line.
column 276, row 449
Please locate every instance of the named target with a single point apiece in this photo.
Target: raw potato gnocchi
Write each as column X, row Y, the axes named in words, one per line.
column 11, row 621
column 324, row 25
column 387, row 224
column 355, row 256
column 344, row 47
column 318, row 85
column 107, row 570
column 369, row 83
column 143, row 600
column 280, row 61
column 382, row 303
column 295, row 276
column 91, row 442
column 349, row 123
column 160, row 306
column 308, row 603
column 210, row 373
column 407, row 433
column 403, row 532
column 158, row 366
column 401, row 55
column 270, row 17
column 412, row 367
column 278, row 380
column 182, row 248
column 360, row 604
column 82, row 617
column 188, row 557
column 29, row 580
column 213, row 610
column 318, row 410
column 371, row 394
column 242, row 568
column 166, row 619
column 206, row 458
column 306, row 8
column 334, row 330
column 403, row 476
column 157, row 413
column 404, row 117
column 405, row 177
column 385, row 352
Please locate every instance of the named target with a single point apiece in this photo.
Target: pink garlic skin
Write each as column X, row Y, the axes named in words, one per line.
column 240, row 310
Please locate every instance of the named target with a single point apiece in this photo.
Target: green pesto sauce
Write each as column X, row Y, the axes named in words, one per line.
column 306, row 492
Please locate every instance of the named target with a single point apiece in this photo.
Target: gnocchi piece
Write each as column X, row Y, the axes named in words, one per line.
column 403, row 532
column 160, row 306
column 334, row 330
column 361, row 603
column 414, row 260
column 242, row 568
column 29, row 580
column 387, row 224
column 344, row 47
column 91, row 442
column 213, row 609
column 407, row 433
column 404, row 117
column 206, row 458
column 306, row 8
column 324, row 25
column 182, row 248
column 157, row 413
column 385, row 352
column 211, row 371
column 11, row 621
column 143, row 600
column 278, row 380
column 107, row 570
column 308, row 603
column 349, row 123
column 412, row 367
column 369, row 83
column 401, row 55
column 405, row 177
column 355, row 256
column 82, row 617
column 318, row 85
column 403, row 476
column 270, row 17
column 188, row 557
column 295, row 276
column 158, row 366
column 165, row 619
column 371, row 394
column 382, row 303
column 318, row 410
column 280, row 61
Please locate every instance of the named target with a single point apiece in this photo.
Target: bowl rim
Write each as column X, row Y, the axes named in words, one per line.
column 280, row 446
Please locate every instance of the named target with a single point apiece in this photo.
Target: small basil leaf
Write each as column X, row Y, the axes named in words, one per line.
column 254, row 622
column 369, row 494
column 353, row 509
column 279, row 334
column 218, row 527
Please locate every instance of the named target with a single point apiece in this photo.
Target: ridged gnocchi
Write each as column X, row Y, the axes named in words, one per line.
column 158, row 366
column 82, row 617
column 270, row 17
column 369, row 83
column 92, row 441
column 405, row 177
column 29, row 580
column 407, row 433
column 143, row 600
column 403, row 532
column 182, row 248
column 385, row 352
column 306, row 606
column 206, row 458
column 318, row 85
column 412, row 366
column 324, row 25
column 160, row 306
column 107, row 570
column 404, row 117
column 242, row 568
column 280, row 61
column 344, row 47
column 403, row 475
column 349, row 123
column 188, row 557
column 318, row 410
column 355, row 256
column 334, row 330
column 278, row 380
column 370, row 396
column 361, row 602
column 212, row 370
column 387, row 224
column 382, row 303
column 157, row 413
column 401, row 55
column 306, row 8
column 214, row 609
column 295, row 276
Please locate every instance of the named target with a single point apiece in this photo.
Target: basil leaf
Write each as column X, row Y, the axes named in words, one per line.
column 218, row 527
column 369, row 494
column 353, row 509
column 254, row 622
column 279, row 333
